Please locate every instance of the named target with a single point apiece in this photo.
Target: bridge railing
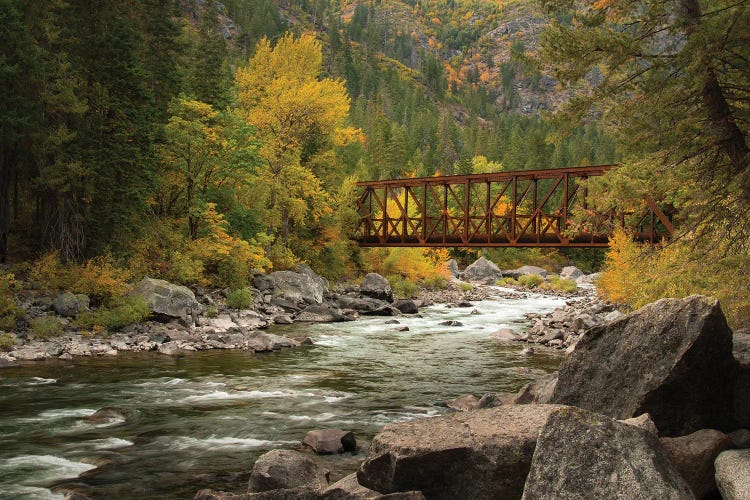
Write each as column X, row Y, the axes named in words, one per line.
column 533, row 208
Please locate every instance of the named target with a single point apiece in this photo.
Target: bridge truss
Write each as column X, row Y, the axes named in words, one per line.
column 534, row 208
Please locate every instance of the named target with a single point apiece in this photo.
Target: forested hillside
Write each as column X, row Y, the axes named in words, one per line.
column 196, row 140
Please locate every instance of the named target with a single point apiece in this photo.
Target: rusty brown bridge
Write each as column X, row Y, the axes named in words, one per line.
column 532, row 208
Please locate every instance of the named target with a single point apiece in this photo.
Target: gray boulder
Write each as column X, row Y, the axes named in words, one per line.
column 296, row 287
column 284, row 469
column 480, row 454
column 167, row 299
column 69, row 304
column 361, row 304
column 482, row 271
column 406, row 306
column 320, row 313
column 671, row 359
column 375, row 286
column 581, row 454
column 330, row 441
column 538, row 391
column 741, row 398
column 693, row 456
column 348, row 488
column 571, row 273
column 524, row 270
column 453, row 268
column 642, row 422
column 732, row 475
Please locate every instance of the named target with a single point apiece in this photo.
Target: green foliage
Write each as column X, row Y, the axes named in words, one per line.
column 403, row 288
column 9, row 311
column 45, row 327
column 466, row 287
column 211, row 311
column 434, row 282
column 530, row 280
column 506, row 281
column 560, row 284
column 126, row 311
column 241, row 298
column 7, row 341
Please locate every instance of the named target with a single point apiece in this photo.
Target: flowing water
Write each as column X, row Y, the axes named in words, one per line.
column 201, row 420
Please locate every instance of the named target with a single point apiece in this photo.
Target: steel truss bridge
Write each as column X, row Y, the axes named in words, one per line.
column 533, row 208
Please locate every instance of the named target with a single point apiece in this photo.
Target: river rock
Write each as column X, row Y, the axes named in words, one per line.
column 297, row 287
column 642, row 422
column 300, row 493
column 463, row 403
column 693, row 456
column 172, row 348
column 406, row 306
column 348, row 488
column 209, row 494
column 571, row 273
column 7, row 361
column 740, row 438
column 538, row 391
column 167, row 299
column 587, row 279
column 330, row 441
column 452, row 267
column 265, row 342
column 481, row 454
column 524, row 270
column 375, row 286
column 283, row 469
column 581, row 454
column 70, row 304
column 732, row 475
column 361, row 304
column 108, row 415
column 482, row 271
column 320, row 313
column 504, row 334
column 451, row 322
column 671, row 359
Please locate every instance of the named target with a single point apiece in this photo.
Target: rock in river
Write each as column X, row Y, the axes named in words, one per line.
column 482, row 454
column 375, row 286
column 482, row 271
column 330, row 441
column 671, row 359
column 581, row 454
column 283, row 469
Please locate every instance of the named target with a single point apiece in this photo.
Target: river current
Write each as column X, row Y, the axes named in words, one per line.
column 200, row 421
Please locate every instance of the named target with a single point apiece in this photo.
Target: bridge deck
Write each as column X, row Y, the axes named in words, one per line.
column 532, row 208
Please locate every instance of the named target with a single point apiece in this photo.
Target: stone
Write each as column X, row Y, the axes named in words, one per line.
column 740, row 438
column 480, row 454
column 320, row 313
column 266, row 342
column 452, row 266
column 524, row 270
column 587, row 279
column 296, row 287
column 108, row 415
column 172, row 348
column 209, row 494
column 571, row 273
column 167, row 299
column 406, row 306
column 538, row 391
column 7, row 361
column 482, row 271
column 330, row 441
column 671, row 359
column 642, row 422
column 283, row 319
column 387, row 310
column 282, row 469
column 527, row 351
column 463, row 403
column 693, row 456
column 451, row 322
column 504, row 334
column 70, row 304
column 361, row 304
column 348, row 488
column 613, row 316
column 375, row 286
column 581, row 454
column 300, row 493
column 732, row 475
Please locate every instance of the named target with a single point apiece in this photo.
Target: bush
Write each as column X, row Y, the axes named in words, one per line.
column 241, row 298
column 46, row 327
column 435, row 283
column 507, row 281
column 101, row 279
column 185, row 270
column 9, row 311
column 7, row 341
column 211, row 311
column 127, row 311
column 465, row 287
column 530, row 280
column 49, row 274
column 560, row 284
column 403, row 288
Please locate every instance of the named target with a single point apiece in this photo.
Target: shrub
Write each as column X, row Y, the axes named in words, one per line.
column 403, row 288
column 127, row 311
column 211, row 311
column 9, row 311
column 185, row 269
column 46, row 327
column 101, row 279
column 530, row 280
column 413, row 263
column 7, row 341
column 561, row 284
column 506, row 281
column 465, row 287
column 241, row 298
column 49, row 274
column 435, row 283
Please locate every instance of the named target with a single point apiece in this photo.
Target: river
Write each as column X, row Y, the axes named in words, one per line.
column 201, row 420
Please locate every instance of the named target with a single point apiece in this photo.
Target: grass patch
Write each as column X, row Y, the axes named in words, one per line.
column 403, row 288
column 466, row 287
column 560, row 284
column 506, row 281
column 435, row 283
column 130, row 310
column 7, row 341
column 530, row 280
column 240, row 298
column 211, row 311
column 46, row 327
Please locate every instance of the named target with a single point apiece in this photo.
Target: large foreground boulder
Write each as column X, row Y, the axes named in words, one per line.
column 375, row 286
column 167, row 299
column 693, row 456
column 742, row 381
column 733, row 474
column 284, row 469
column 481, row 454
column 482, row 271
column 581, row 454
column 297, row 287
column 671, row 359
